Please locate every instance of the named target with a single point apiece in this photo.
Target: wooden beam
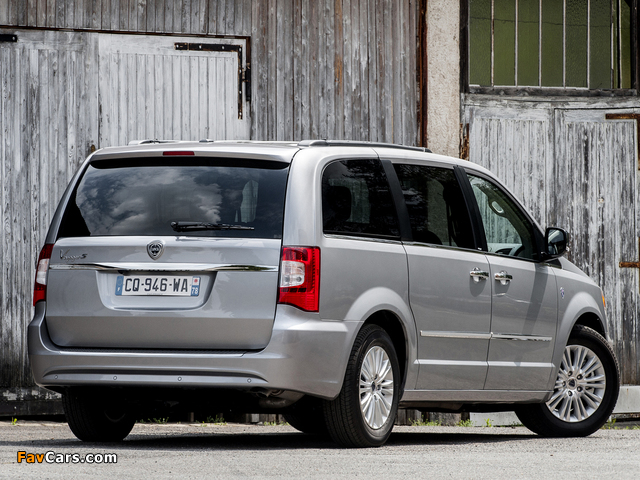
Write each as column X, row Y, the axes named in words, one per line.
column 422, row 71
column 635, row 48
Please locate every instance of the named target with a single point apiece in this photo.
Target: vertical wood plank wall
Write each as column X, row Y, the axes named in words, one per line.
column 147, row 89
column 598, row 199
column 574, row 169
column 45, row 137
column 343, row 69
column 321, row 68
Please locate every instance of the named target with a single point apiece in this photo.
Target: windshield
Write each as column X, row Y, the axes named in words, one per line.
column 145, row 199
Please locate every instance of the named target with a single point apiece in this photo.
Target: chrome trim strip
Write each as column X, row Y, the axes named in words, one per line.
column 520, row 259
column 442, row 247
column 520, row 364
column 164, row 267
column 529, row 338
column 485, row 336
column 106, row 353
column 467, row 363
column 466, row 335
column 362, row 238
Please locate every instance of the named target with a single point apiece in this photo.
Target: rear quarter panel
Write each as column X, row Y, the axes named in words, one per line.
column 359, row 276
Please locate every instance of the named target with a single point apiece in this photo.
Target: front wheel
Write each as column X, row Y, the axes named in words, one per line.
column 585, row 393
column 364, row 412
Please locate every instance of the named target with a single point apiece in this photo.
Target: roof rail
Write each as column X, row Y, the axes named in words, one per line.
column 356, row 143
column 147, row 142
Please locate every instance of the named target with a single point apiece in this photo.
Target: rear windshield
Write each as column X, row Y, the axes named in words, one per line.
column 233, row 198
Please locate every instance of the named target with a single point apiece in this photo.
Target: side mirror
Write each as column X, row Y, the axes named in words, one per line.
column 555, row 242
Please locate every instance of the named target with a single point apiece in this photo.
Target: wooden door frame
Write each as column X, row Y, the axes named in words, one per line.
column 422, row 72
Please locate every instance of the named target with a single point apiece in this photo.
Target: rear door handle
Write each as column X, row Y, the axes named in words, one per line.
column 503, row 277
column 478, row 274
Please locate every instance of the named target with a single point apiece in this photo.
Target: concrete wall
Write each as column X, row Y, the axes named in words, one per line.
column 443, row 76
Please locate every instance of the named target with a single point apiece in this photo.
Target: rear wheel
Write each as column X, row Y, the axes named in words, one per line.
column 307, row 416
column 94, row 420
column 364, row 412
column 585, row 392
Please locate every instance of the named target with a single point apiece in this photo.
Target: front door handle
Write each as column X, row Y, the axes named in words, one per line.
column 478, row 274
column 503, row 277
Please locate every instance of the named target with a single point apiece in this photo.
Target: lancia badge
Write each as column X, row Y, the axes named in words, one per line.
column 155, row 249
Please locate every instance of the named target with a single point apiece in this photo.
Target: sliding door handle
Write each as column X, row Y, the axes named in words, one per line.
column 478, row 274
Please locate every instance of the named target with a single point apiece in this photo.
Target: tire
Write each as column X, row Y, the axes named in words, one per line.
column 307, row 417
column 94, row 421
column 364, row 412
column 580, row 403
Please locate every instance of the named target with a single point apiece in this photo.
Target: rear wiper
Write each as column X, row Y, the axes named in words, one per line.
column 194, row 226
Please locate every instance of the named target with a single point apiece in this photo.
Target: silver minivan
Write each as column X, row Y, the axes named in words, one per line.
column 330, row 281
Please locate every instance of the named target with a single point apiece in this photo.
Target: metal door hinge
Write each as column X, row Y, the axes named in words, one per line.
column 246, row 78
column 244, row 74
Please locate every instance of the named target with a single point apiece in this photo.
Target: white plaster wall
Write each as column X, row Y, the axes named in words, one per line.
column 443, row 76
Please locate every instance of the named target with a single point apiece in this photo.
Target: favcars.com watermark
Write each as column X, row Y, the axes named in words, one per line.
column 53, row 457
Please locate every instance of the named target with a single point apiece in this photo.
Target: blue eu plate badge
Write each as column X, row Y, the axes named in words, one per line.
column 195, row 287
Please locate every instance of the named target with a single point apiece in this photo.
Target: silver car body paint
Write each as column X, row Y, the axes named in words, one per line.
column 235, row 335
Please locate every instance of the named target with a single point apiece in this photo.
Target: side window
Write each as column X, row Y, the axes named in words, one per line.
column 436, row 206
column 507, row 229
column 356, row 200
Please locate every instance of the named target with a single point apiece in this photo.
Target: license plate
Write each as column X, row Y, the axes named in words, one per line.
column 181, row 286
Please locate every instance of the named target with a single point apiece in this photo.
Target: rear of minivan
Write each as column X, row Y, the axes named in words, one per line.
column 172, row 252
column 164, row 272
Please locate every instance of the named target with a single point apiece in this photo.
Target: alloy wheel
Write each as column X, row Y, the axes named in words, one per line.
column 376, row 387
column 580, row 385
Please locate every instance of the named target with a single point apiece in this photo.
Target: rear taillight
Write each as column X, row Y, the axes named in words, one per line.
column 40, row 284
column 300, row 277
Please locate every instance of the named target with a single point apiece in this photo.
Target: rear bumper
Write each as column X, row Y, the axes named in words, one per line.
column 305, row 355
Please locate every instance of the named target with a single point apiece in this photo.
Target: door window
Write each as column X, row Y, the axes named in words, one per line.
column 436, row 206
column 506, row 228
column 356, row 200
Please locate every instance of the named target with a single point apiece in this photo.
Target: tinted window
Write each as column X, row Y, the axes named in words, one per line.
column 144, row 199
column 436, row 206
column 356, row 200
column 507, row 229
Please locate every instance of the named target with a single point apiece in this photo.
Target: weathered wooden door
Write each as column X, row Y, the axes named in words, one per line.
column 574, row 168
column 163, row 87
column 48, row 120
column 62, row 94
column 595, row 180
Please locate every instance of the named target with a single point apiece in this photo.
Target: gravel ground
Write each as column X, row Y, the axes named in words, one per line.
column 256, row 451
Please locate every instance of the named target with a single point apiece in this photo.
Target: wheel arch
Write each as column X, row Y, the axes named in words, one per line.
column 582, row 310
column 593, row 321
column 389, row 310
column 390, row 323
